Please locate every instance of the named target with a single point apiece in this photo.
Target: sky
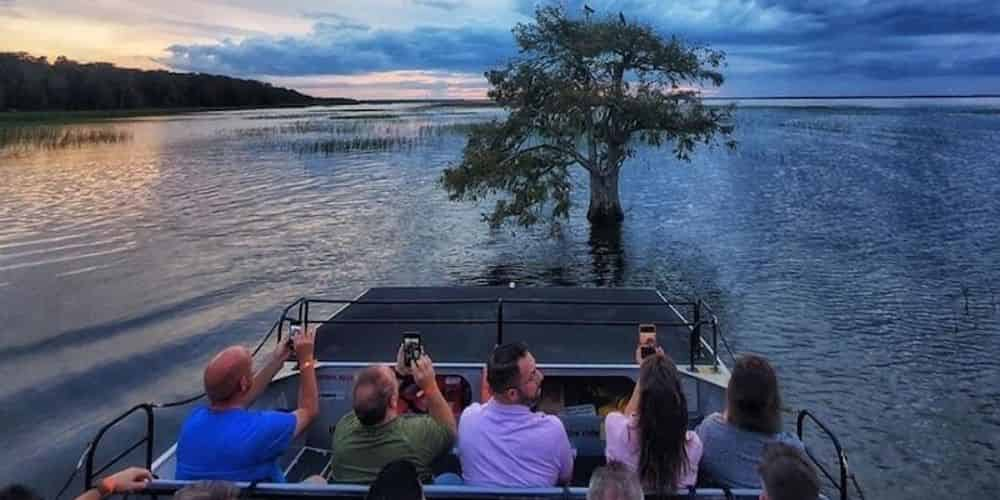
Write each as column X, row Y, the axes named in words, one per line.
column 440, row 48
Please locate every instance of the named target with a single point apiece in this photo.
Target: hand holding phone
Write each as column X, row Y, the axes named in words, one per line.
column 412, row 348
column 294, row 330
column 647, row 340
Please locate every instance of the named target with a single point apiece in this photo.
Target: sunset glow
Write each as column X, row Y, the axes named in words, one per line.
column 440, row 48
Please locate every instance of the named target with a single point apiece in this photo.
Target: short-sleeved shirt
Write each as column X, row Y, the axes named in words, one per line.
column 501, row 445
column 731, row 455
column 233, row 445
column 623, row 446
column 360, row 452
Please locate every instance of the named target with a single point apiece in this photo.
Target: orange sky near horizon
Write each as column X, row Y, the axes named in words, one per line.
column 137, row 36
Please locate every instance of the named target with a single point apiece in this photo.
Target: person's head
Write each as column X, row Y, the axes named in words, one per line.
column 19, row 492
column 753, row 401
column 229, row 376
column 208, row 490
column 513, row 375
column 787, row 475
column 375, row 394
column 614, row 481
column 396, row 481
column 662, row 423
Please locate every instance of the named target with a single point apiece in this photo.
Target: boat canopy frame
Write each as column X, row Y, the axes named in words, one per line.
column 298, row 313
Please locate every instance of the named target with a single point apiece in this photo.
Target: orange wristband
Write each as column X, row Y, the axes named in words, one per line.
column 433, row 390
column 106, row 486
column 307, row 364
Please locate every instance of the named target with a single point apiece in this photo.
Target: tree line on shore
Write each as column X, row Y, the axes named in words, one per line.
column 29, row 83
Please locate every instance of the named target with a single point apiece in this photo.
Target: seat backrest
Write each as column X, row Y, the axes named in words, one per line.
column 357, row 491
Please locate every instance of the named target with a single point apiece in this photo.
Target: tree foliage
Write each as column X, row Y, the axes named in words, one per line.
column 584, row 93
column 33, row 84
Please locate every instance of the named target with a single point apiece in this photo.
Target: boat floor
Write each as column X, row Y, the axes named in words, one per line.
column 467, row 332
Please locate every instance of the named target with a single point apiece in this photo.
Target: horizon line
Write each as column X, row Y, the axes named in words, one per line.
column 716, row 98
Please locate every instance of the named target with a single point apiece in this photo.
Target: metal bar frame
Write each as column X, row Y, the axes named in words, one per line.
column 841, row 456
column 89, row 474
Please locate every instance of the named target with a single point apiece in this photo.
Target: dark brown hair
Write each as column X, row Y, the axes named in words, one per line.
column 396, row 481
column 753, row 401
column 662, row 423
column 19, row 492
column 787, row 475
column 502, row 370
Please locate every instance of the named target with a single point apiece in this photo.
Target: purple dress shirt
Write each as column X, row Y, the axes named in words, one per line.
column 509, row 446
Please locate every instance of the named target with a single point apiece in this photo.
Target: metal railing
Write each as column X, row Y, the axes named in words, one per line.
column 702, row 315
column 841, row 484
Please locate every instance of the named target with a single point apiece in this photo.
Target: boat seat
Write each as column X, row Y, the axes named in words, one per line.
column 357, row 491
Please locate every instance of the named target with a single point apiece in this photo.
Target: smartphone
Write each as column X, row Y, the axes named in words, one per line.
column 294, row 329
column 412, row 347
column 647, row 339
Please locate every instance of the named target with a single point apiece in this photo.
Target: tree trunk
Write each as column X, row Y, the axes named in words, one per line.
column 605, row 202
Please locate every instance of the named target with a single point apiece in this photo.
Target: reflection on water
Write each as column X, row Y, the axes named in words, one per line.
column 858, row 248
column 608, row 256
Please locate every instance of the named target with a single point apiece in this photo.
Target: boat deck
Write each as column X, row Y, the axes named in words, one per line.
column 603, row 328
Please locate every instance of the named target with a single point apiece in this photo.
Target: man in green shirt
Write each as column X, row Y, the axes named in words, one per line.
column 374, row 434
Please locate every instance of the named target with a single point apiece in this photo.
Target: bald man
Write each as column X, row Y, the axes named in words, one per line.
column 224, row 440
column 374, row 434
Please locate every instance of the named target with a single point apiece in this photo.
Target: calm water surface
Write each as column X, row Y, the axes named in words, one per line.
column 855, row 244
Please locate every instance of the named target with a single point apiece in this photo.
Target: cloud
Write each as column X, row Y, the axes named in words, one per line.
column 340, row 21
column 441, row 4
column 398, row 84
column 333, row 49
column 883, row 42
column 7, row 9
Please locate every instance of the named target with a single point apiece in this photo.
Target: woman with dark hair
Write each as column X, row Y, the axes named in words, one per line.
column 734, row 440
column 652, row 437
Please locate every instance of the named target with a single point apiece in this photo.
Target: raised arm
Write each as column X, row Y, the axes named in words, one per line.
column 308, row 388
column 632, row 407
column 263, row 377
column 437, row 406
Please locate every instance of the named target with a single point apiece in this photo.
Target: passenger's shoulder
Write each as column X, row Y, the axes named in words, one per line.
column 551, row 422
column 473, row 409
column 713, row 423
column 347, row 422
column 418, row 421
column 787, row 438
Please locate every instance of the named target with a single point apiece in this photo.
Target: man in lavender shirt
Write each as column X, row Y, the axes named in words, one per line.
column 502, row 443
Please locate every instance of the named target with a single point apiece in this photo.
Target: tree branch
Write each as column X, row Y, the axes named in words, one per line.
column 575, row 155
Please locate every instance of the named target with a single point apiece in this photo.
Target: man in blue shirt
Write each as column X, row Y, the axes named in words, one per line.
column 226, row 441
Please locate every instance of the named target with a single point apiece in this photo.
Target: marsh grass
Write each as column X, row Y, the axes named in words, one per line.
column 361, row 134
column 28, row 138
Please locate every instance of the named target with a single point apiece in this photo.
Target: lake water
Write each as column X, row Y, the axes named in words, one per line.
column 856, row 244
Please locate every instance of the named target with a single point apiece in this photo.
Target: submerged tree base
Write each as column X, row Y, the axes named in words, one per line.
column 605, row 216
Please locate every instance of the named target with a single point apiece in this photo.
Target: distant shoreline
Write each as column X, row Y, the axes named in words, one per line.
column 7, row 117
column 848, row 97
column 29, row 117
column 486, row 102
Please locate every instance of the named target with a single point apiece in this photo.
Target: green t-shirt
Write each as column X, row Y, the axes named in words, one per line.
column 360, row 452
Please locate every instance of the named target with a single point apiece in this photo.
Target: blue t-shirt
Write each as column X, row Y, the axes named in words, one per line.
column 234, row 445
